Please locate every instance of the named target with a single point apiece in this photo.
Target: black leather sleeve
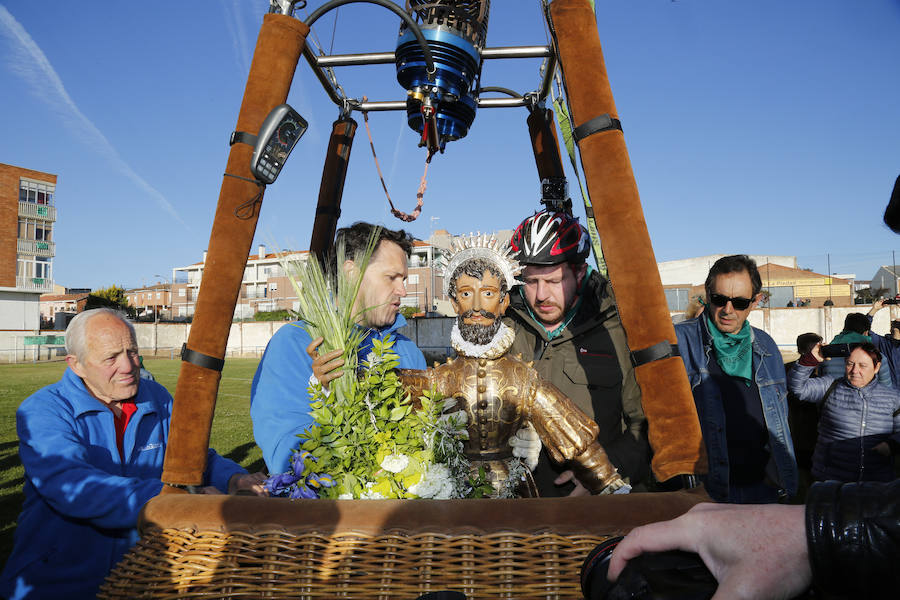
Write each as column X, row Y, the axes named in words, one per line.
column 853, row 532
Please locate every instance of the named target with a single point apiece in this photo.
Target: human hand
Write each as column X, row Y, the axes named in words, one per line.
column 325, row 367
column 753, row 551
column 567, row 476
column 876, row 306
column 248, row 482
column 816, row 352
column 526, row 444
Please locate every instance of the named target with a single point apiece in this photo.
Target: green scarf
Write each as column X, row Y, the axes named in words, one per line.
column 734, row 351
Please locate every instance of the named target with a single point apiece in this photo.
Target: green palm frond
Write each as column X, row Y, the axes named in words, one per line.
column 326, row 299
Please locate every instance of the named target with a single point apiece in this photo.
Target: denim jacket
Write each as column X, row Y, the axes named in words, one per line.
column 695, row 345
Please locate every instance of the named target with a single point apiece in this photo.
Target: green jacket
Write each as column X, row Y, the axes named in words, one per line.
column 589, row 362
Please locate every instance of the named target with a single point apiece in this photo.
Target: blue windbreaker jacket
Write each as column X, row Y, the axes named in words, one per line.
column 81, row 500
column 279, row 401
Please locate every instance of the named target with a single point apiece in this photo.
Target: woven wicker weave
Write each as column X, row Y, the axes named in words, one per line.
column 235, row 547
column 178, row 564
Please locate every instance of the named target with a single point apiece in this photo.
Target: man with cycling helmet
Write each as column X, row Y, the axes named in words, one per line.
column 565, row 319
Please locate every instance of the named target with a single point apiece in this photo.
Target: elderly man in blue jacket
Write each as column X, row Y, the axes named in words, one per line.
column 92, row 445
column 279, row 402
column 737, row 377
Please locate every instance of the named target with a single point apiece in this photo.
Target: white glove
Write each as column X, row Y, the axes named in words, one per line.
column 456, row 420
column 526, row 445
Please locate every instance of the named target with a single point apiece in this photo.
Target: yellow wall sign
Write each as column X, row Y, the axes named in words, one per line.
column 821, row 291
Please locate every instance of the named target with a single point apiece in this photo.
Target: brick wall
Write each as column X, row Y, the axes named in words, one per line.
column 9, row 217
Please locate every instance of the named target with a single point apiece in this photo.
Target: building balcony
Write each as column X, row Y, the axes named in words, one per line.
column 34, row 284
column 37, row 211
column 36, row 248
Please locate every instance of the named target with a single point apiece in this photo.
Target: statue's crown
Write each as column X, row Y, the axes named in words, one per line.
column 485, row 247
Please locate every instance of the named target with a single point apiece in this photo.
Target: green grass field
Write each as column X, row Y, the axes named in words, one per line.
column 232, row 434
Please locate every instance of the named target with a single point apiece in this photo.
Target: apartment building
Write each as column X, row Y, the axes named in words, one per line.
column 151, row 301
column 266, row 287
column 27, row 219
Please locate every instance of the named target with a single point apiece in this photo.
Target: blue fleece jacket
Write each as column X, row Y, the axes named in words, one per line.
column 81, row 499
column 279, row 400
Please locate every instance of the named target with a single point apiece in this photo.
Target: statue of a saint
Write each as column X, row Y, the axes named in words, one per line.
column 500, row 393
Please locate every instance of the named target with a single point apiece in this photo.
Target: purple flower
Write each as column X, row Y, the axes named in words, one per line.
column 320, row 480
column 278, row 484
column 300, row 490
column 298, row 461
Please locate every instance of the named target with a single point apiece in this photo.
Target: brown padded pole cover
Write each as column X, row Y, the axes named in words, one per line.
column 603, row 515
column 671, row 415
column 334, row 173
column 281, row 40
column 545, row 143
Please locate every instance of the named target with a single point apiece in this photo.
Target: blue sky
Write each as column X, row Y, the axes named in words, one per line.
column 765, row 127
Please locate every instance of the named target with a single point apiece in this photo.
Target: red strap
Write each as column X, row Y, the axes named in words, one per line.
column 420, row 194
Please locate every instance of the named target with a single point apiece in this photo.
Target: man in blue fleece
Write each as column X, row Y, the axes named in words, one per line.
column 92, row 445
column 279, row 402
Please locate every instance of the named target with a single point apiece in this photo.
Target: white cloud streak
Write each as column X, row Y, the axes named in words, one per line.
column 234, row 21
column 29, row 62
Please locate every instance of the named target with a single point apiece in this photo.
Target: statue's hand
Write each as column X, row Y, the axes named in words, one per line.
column 456, row 420
column 526, row 445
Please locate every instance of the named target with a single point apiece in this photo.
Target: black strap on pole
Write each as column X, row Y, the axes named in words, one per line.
column 655, row 352
column 602, row 123
column 242, row 137
column 201, row 360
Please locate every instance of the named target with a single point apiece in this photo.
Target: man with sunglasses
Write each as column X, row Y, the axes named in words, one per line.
column 738, row 381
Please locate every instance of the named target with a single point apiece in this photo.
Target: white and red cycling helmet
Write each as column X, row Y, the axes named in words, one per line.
column 550, row 238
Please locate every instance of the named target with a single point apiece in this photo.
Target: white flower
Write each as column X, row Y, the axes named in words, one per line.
column 371, row 496
column 436, row 483
column 345, row 497
column 395, row 462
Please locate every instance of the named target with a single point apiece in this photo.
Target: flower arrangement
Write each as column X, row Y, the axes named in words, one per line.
column 370, row 438
column 378, row 443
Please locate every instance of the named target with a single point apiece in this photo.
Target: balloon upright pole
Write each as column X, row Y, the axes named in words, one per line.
column 278, row 48
column 674, row 428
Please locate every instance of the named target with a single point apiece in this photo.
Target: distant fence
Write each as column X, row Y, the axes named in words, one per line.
column 248, row 339
column 431, row 335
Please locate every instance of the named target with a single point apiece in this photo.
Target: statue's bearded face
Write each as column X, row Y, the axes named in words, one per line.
column 479, row 306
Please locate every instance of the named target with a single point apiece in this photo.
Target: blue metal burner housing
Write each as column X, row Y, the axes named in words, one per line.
column 457, row 60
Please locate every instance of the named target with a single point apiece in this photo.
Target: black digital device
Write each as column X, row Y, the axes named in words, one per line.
column 891, row 301
column 277, row 136
column 555, row 194
column 672, row 575
column 838, row 350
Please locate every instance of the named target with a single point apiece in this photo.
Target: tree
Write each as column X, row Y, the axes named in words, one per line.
column 409, row 311
column 869, row 295
column 110, row 297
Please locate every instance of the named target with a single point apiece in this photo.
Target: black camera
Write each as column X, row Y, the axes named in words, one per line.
column 891, row 301
column 555, row 194
column 837, row 350
column 672, row 575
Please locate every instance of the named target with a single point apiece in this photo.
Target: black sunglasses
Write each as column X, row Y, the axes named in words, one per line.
column 737, row 303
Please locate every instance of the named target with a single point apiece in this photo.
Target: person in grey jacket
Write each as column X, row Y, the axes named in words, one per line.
column 859, row 427
column 856, row 331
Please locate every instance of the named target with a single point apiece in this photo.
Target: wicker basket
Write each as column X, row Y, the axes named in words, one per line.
column 243, row 547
